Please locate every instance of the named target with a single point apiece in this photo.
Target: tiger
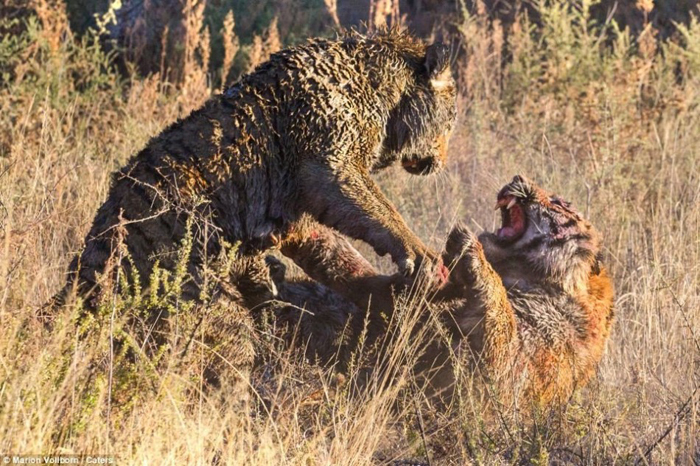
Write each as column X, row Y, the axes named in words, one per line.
column 290, row 145
column 296, row 138
column 530, row 305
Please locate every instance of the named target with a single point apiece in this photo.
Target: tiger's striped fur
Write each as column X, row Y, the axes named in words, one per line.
column 534, row 310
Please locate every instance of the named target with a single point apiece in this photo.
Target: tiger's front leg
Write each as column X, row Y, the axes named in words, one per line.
column 485, row 314
column 330, row 259
column 349, row 201
column 325, row 255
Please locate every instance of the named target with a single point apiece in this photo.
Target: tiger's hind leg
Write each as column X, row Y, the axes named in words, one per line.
column 219, row 335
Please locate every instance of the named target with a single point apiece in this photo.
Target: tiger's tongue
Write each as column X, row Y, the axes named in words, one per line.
column 507, row 232
column 513, row 223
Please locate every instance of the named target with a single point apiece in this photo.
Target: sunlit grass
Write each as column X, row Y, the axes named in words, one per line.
column 612, row 125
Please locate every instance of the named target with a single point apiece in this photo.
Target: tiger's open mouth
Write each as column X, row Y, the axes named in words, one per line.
column 513, row 220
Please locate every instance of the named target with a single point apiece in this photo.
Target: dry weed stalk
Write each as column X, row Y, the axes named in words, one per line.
column 332, row 8
column 255, row 53
column 231, row 45
column 195, row 85
column 383, row 13
column 480, row 59
column 261, row 48
column 272, row 42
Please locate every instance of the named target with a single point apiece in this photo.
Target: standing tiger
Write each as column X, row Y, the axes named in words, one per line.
column 292, row 141
column 290, row 145
column 530, row 303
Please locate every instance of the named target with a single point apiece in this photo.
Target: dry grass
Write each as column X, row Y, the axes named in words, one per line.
column 616, row 130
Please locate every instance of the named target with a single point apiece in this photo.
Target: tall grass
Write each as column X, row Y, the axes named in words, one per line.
column 607, row 120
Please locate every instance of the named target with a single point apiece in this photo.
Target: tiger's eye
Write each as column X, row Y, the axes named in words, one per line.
column 558, row 201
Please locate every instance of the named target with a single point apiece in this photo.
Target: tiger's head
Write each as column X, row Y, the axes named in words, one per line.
column 419, row 127
column 542, row 237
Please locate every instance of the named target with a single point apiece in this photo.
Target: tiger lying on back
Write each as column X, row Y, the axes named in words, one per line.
column 531, row 303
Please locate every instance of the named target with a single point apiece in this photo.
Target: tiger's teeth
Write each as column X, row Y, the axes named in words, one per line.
column 510, row 204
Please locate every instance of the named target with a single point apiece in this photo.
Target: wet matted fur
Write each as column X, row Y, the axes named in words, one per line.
column 291, row 144
column 297, row 136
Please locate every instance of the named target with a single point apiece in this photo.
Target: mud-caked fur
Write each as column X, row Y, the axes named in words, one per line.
column 533, row 313
column 289, row 145
column 299, row 135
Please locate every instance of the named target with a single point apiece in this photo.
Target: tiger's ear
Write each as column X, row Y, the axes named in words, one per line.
column 437, row 65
